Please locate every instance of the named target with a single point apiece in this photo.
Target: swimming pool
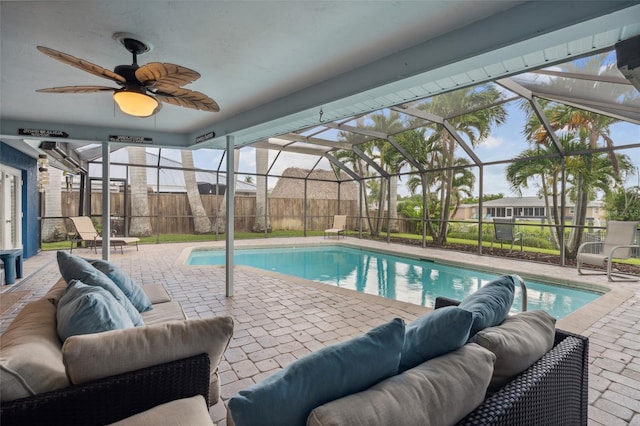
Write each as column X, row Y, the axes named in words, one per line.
column 394, row 277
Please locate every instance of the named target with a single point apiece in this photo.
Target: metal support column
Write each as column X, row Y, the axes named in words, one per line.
column 106, row 201
column 304, row 209
column 229, row 193
column 480, row 207
column 563, row 190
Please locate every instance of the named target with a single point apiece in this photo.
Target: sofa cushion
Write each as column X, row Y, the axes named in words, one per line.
column 518, row 343
column 435, row 334
column 156, row 293
column 180, row 412
column 30, row 356
column 288, row 396
column 440, row 391
column 124, row 282
column 163, row 312
column 85, row 309
column 76, row 268
column 94, row 356
column 490, row 304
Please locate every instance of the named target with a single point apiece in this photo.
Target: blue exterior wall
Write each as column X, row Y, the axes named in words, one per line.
column 30, row 197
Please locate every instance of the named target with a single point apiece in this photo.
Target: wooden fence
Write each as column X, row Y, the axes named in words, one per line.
column 170, row 212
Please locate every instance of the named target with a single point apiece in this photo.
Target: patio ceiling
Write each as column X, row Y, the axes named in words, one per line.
column 298, row 71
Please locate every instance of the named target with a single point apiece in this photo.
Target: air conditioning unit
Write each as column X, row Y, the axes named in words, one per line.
column 628, row 54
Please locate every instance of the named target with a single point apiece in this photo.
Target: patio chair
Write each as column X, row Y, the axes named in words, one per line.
column 504, row 230
column 618, row 244
column 86, row 232
column 338, row 227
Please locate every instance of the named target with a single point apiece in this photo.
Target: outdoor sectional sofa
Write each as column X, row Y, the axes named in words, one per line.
column 552, row 391
column 163, row 370
column 466, row 363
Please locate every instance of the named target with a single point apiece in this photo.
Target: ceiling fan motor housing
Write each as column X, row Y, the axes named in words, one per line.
column 128, row 72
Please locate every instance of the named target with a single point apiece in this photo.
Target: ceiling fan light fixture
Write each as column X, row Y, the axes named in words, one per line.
column 136, row 103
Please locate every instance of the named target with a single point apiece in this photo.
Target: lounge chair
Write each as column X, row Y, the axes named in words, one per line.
column 504, row 230
column 338, row 228
column 618, row 244
column 86, row 232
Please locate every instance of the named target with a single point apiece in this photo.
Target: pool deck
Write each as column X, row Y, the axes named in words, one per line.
column 286, row 318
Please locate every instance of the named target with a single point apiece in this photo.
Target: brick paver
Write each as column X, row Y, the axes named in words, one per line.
column 280, row 319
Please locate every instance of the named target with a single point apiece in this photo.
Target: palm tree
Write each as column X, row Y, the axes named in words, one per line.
column 221, row 216
column 589, row 130
column 541, row 166
column 580, row 130
column 585, row 173
column 390, row 123
column 262, row 222
column 462, row 184
column 201, row 222
column 140, row 224
column 349, row 158
column 475, row 126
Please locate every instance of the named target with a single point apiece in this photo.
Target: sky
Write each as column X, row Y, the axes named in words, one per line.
column 505, row 142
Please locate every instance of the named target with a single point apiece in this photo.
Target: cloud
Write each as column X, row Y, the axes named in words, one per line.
column 492, row 142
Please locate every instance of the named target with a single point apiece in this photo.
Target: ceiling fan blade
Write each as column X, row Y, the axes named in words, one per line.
column 186, row 98
column 82, row 64
column 168, row 74
column 77, row 89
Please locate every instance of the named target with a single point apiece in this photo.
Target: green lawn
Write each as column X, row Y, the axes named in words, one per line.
column 185, row 238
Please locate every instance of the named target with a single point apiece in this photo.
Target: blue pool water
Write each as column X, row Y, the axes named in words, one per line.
column 394, row 277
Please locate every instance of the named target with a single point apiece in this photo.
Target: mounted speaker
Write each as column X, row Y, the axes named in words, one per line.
column 628, row 54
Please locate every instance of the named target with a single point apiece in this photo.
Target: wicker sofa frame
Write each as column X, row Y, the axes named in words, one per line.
column 113, row 398
column 553, row 391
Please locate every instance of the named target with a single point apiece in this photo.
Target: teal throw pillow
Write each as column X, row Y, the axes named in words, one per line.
column 288, row 396
column 124, row 282
column 76, row 268
column 491, row 304
column 85, row 309
column 434, row 334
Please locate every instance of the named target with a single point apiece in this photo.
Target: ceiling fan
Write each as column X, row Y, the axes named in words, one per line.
column 142, row 88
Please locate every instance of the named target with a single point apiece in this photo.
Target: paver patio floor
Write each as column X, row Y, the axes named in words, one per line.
column 279, row 319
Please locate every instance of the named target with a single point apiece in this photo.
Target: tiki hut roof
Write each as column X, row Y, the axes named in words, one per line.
column 321, row 184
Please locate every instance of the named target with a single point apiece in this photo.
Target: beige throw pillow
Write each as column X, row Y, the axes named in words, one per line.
column 518, row 343
column 30, row 357
column 94, row 356
column 440, row 391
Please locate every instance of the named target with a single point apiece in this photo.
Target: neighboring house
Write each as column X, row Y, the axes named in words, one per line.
column 523, row 208
column 321, row 185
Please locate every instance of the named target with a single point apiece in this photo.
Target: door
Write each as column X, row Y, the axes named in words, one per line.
column 10, row 208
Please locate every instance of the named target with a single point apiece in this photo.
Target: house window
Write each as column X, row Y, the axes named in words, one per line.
column 497, row 211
